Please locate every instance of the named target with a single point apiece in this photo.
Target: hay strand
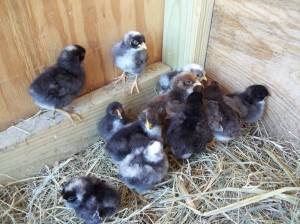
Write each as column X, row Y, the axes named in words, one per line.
column 247, row 201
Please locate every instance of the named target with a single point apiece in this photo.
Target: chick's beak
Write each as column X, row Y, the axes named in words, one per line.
column 147, row 124
column 119, row 113
column 197, row 83
column 204, row 78
column 143, row 45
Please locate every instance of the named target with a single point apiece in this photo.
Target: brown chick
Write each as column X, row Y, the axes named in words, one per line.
column 168, row 103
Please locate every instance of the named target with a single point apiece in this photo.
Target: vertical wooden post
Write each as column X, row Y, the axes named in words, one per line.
column 186, row 31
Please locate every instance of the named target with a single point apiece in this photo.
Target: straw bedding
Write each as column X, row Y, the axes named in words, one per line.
column 253, row 179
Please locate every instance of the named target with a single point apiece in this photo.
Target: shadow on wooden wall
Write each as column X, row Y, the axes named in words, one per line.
column 32, row 34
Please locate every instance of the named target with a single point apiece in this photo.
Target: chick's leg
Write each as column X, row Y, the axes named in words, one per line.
column 122, row 77
column 72, row 116
column 135, row 85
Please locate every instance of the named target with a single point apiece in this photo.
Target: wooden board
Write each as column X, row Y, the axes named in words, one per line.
column 186, row 31
column 41, row 140
column 259, row 42
column 32, row 34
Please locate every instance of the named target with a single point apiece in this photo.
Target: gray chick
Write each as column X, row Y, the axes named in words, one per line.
column 113, row 120
column 250, row 104
column 130, row 55
column 60, row 84
column 165, row 81
column 91, row 198
column 145, row 166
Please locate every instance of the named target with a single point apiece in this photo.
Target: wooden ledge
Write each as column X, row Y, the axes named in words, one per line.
column 42, row 140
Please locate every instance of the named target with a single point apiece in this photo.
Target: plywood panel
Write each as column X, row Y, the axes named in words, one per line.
column 32, row 34
column 186, row 31
column 259, row 42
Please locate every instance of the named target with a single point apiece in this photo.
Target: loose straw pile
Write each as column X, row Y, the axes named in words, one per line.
column 253, row 179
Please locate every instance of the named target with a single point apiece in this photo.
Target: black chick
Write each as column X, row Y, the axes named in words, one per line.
column 250, row 104
column 145, row 166
column 188, row 131
column 60, row 84
column 131, row 56
column 113, row 120
column 122, row 142
column 164, row 83
column 172, row 101
column 91, row 198
column 223, row 121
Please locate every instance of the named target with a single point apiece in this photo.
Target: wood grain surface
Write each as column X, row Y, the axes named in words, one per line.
column 186, row 31
column 32, row 34
column 258, row 42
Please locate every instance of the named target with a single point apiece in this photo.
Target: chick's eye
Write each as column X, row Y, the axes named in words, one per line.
column 135, row 42
column 71, row 199
column 189, row 82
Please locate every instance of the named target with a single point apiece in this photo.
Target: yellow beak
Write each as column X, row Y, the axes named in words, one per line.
column 147, row 124
column 119, row 113
column 203, row 78
column 143, row 45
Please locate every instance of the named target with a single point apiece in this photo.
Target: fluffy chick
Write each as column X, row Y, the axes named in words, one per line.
column 91, row 198
column 60, row 84
column 113, row 120
column 145, row 166
column 188, row 131
column 131, row 56
column 164, row 83
column 250, row 104
column 223, row 120
column 123, row 141
column 169, row 102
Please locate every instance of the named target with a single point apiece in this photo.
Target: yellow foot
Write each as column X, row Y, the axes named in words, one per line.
column 212, row 143
column 122, row 77
column 135, row 85
column 72, row 116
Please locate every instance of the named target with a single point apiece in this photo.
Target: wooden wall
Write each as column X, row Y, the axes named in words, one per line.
column 258, row 41
column 186, row 31
column 33, row 32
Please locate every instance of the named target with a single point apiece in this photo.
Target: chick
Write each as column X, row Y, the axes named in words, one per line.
column 91, row 198
column 60, row 84
column 164, row 83
column 188, row 131
column 169, row 102
column 223, row 120
column 250, row 104
column 122, row 142
column 145, row 166
column 131, row 56
column 113, row 120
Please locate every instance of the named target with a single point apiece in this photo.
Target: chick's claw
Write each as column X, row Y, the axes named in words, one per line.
column 122, row 77
column 212, row 143
column 135, row 85
column 72, row 116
